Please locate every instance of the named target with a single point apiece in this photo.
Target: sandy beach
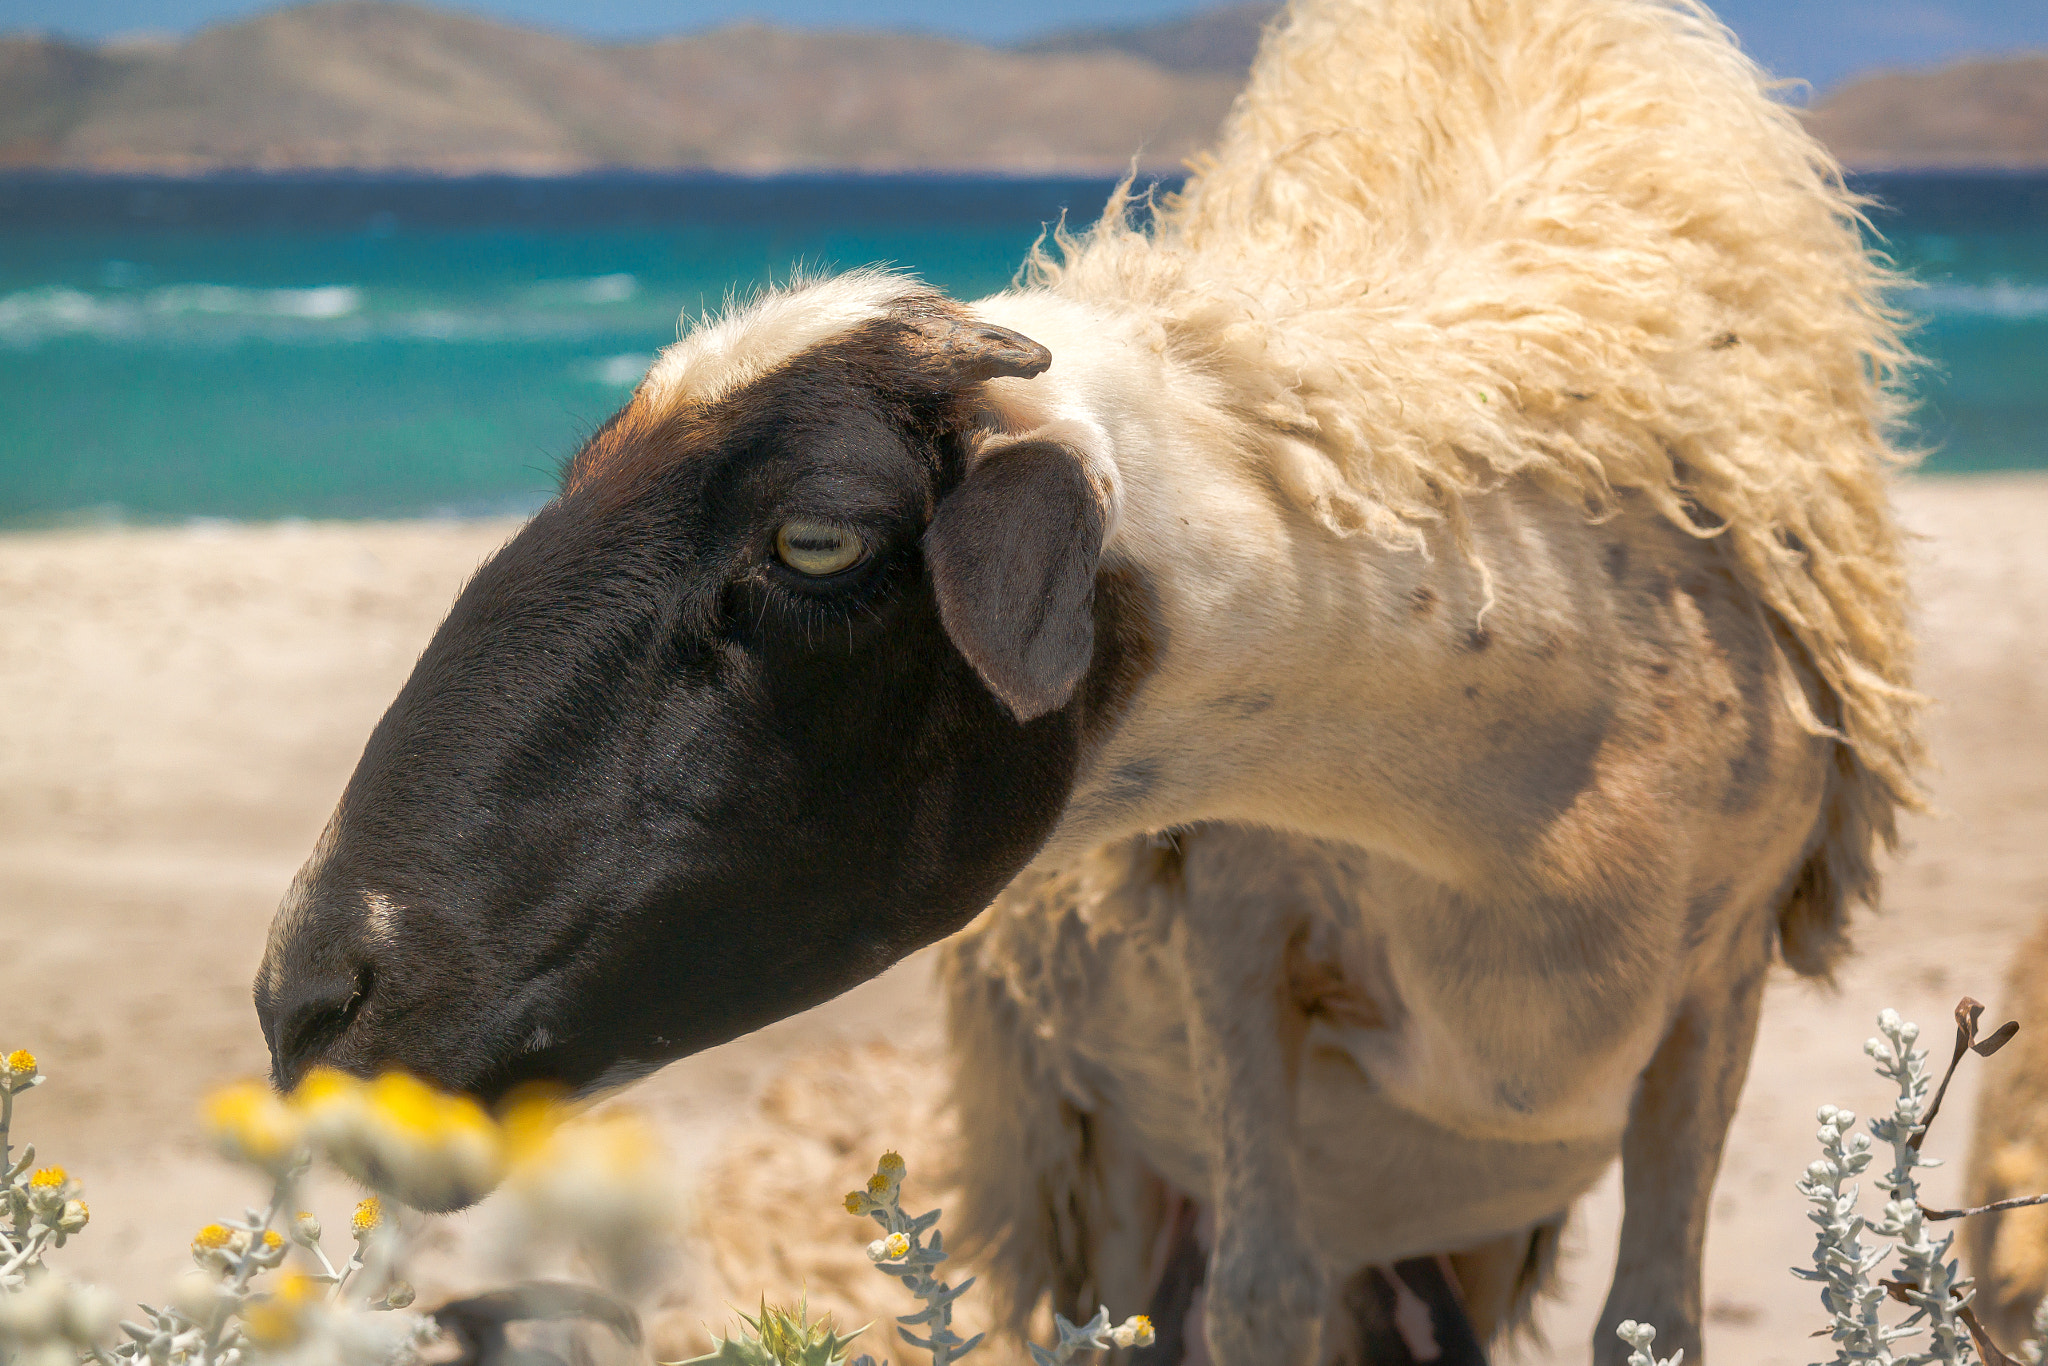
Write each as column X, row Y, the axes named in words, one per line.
column 179, row 709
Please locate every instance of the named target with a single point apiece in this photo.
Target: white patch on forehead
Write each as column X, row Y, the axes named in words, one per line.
column 292, row 909
column 729, row 352
column 380, row 917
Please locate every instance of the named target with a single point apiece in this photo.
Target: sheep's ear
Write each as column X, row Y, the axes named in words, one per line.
column 1012, row 554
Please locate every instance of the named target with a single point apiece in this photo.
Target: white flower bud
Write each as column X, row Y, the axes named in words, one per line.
column 195, row 1295
column 34, row 1312
column 89, row 1314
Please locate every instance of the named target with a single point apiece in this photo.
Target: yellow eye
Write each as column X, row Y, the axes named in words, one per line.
column 817, row 548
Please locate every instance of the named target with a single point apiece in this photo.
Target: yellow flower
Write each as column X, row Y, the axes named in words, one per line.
column 271, row 1238
column 602, row 1179
column 322, row 1085
column 1135, row 1331
column 75, row 1217
column 857, row 1202
column 251, row 1124
column 48, row 1189
column 270, row 1324
column 401, row 1136
column 21, row 1063
column 532, row 1112
column 278, row 1319
column 891, row 1165
column 306, row 1228
column 369, row 1213
column 896, row 1246
column 878, row 1184
column 214, row 1248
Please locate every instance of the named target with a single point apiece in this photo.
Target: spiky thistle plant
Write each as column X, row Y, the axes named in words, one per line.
column 779, row 1337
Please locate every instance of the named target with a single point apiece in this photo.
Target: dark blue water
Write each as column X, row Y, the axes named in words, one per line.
column 339, row 345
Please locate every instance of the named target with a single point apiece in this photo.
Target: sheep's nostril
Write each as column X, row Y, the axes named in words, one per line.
column 317, row 1023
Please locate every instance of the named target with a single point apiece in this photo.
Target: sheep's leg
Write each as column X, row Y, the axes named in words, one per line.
column 1669, row 1156
column 1265, row 1291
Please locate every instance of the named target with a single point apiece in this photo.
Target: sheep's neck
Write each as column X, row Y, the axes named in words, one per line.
column 1305, row 679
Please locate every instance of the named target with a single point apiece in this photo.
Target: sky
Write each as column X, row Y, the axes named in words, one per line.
column 1822, row 41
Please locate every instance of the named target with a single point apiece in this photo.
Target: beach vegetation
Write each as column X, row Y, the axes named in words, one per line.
column 266, row 1288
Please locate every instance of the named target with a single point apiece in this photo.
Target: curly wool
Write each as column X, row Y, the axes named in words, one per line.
column 1447, row 242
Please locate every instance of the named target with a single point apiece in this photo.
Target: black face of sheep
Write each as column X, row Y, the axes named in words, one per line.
column 774, row 694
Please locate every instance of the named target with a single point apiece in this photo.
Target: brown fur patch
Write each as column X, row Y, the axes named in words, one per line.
column 1128, row 639
column 915, row 363
column 1318, row 986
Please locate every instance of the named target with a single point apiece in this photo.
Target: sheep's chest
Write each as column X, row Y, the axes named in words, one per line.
column 1412, row 1134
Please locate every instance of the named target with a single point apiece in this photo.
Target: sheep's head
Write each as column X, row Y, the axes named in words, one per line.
column 790, row 679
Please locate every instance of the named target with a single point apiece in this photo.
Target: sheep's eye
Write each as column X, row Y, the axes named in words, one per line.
column 818, row 548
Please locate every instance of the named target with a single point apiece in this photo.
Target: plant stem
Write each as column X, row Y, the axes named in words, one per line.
column 245, row 1270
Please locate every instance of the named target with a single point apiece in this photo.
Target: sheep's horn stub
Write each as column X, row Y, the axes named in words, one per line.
column 975, row 350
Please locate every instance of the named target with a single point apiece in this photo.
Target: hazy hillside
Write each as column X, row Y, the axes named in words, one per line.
column 371, row 83
column 375, row 84
column 1987, row 113
column 1222, row 39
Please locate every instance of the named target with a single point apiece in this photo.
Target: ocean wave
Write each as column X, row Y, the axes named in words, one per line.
column 1998, row 299
column 619, row 372
column 320, row 302
column 618, row 288
column 213, row 314
column 31, row 315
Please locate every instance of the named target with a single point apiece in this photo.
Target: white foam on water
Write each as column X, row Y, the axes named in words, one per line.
column 1998, row 299
column 621, row 372
column 617, row 288
column 211, row 314
column 29, row 316
column 320, row 302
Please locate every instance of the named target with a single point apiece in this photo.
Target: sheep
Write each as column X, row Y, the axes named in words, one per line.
column 1402, row 638
column 2007, row 1250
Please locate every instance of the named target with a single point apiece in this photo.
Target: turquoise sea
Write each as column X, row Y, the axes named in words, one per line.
column 262, row 346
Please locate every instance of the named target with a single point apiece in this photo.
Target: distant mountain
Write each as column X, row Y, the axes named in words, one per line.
column 380, row 84
column 370, row 83
column 1983, row 113
column 1221, row 40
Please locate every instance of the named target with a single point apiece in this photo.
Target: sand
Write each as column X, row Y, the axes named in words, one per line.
column 179, row 709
